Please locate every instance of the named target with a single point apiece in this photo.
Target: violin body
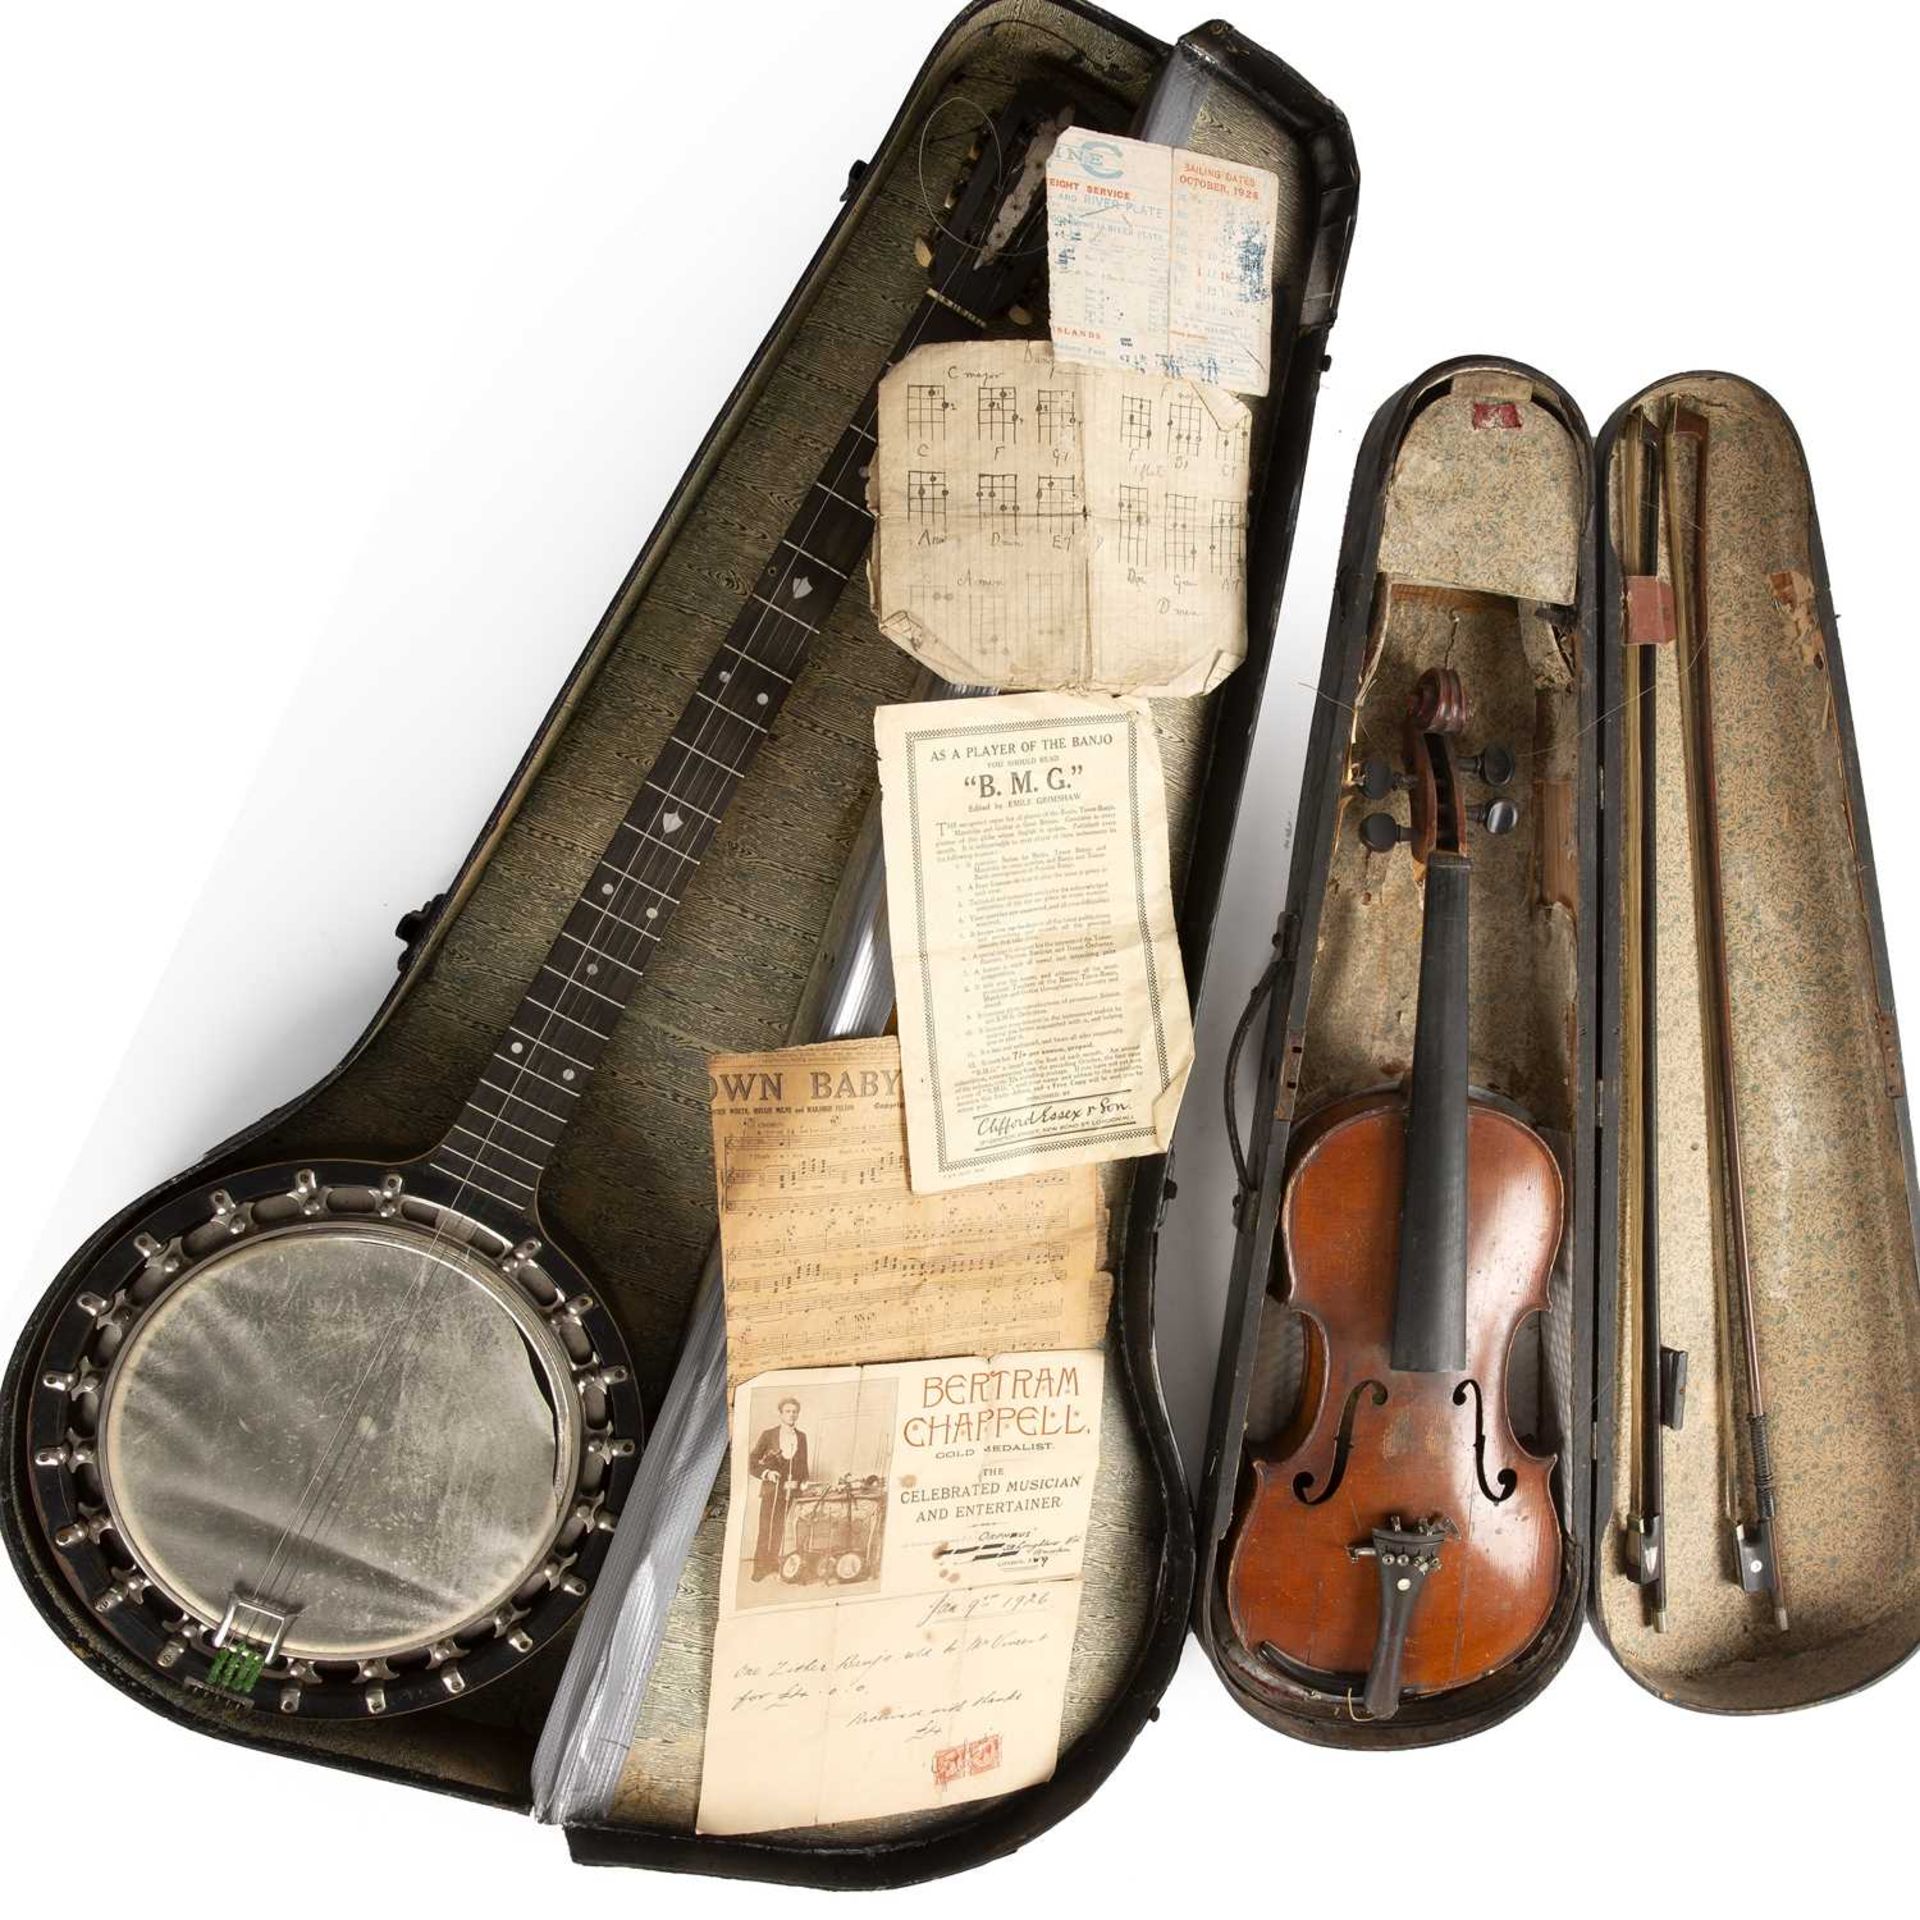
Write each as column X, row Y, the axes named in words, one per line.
column 1372, row 1444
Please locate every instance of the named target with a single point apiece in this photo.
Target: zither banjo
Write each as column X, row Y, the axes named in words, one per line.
column 338, row 1437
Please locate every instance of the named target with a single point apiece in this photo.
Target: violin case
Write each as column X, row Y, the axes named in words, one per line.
column 632, row 1191
column 1484, row 532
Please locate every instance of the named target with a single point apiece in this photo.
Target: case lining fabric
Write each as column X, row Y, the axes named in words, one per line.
column 631, row 1191
column 1837, row 1312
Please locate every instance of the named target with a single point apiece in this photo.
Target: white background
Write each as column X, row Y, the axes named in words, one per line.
column 349, row 353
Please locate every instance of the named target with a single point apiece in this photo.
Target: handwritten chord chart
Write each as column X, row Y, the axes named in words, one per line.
column 1136, row 521
column 1181, row 534
column 1055, row 415
column 927, row 411
column 997, row 414
column 1056, row 496
column 1185, row 426
column 1064, row 559
column 927, row 499
column 998, row 496
column 1227, row 539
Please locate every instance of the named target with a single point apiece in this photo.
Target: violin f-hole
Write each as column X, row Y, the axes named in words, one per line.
column 1508, row 1479
column 1341, row 1447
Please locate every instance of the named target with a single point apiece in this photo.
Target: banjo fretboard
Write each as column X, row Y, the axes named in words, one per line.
column 507, row 1132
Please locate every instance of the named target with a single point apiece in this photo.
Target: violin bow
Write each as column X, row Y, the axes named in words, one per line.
column 1660, row 1400
column 1755, row 1544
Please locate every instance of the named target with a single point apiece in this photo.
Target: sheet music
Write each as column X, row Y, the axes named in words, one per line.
column 831, row 1258
column 1161, row 260
column 1047, row 525
column 900, row 1586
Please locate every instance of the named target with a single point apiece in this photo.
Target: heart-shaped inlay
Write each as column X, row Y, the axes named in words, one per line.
column 802, row 587
column 671, row 821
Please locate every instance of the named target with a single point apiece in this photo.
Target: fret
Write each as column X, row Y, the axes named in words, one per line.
column 502, row 1173
column 572, row 1019
column 601, row 955
column 731, row 715
column 519, row 1062
column 784, row 679
column 793, row 547
column 490, row 1145
column 680, row 799
column 585, row 1066
column 525, row 1101
column 785, row 613
column 844, row 501
column 573, row 980
column 466, row 1177
column 691, row 748
column 497, row 1117
column 607, row 913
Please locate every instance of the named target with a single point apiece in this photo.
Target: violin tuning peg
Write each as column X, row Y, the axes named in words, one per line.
column 1381, row 832
column 1377, row 780
column 1495, row 816
column 1492, row 766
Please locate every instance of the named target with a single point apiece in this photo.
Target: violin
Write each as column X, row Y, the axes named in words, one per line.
column 1398, row 1529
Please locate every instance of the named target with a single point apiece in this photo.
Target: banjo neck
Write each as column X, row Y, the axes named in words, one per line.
column 513, row 1120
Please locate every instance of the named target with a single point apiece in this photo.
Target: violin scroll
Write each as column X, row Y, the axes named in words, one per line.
column 1431, row 775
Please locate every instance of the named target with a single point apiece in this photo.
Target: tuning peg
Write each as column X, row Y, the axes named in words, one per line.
column 1378, row 780
column 1381, row 833
column 1491, row 766
column 922, row 250
column 1020, row 316
column 1495, row 816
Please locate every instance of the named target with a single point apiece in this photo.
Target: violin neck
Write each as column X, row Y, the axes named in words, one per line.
column 1430, row 1294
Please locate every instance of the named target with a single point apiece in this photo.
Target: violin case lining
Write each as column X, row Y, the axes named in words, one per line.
column 1823, row 1120
column 631, row 1192
column 1831, row 1186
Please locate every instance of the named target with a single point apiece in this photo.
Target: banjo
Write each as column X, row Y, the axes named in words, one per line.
column 340, row 1438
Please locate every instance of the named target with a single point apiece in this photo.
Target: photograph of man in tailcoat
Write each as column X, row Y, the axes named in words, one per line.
column 779, row 1461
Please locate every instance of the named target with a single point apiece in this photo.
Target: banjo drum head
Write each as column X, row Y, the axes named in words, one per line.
column 368, row 1429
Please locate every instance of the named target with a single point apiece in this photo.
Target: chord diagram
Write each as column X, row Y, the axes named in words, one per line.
column 1135, row 523
column 1136, row 424
column 1181, row 548
column 998, row 496
column 926, row 412
column 927, row 499
column 1185, row 426
column 1047, row 604
column 1055, row 415
column 1056, row 496
column 1233, row 447
column 997, row 415
column 1227, row 539
column 987, row 624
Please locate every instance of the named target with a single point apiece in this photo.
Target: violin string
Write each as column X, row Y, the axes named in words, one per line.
column 331, row 1473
